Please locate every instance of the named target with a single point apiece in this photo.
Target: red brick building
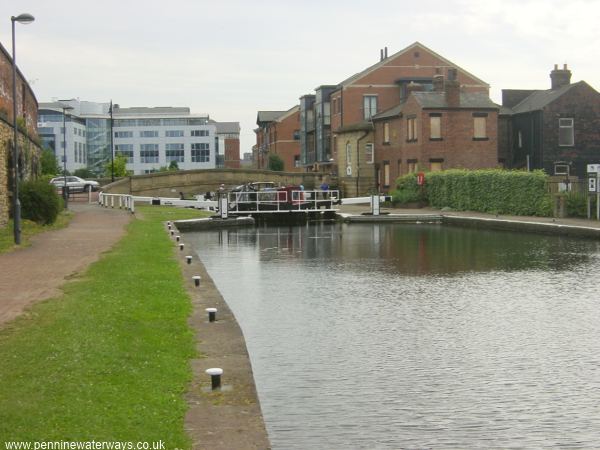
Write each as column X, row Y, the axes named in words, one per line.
column 278, row 134
column 228, row 134
column 448, row 127
column 378, row 88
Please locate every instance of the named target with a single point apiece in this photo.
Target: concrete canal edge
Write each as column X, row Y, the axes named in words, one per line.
column 526, row 224
column 228, row 418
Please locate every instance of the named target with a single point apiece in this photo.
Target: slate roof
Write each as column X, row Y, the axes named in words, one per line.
column 437, row 100
column 539, row 99
column 268, row 116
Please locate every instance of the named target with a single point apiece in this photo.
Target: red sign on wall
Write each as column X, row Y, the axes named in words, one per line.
column 420, row 178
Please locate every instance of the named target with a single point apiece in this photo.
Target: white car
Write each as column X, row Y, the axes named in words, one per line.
column 75, row 184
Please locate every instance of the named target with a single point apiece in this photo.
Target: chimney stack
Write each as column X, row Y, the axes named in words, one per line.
column 452, row 87
column 385, row 52
column 413, row 87
column 380, row 54
column 560, row 77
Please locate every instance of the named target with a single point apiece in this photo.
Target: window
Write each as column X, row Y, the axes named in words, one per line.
column 199, row 132
column 200, row 152
column 411, row 129
column 125, row 150
column 435, row 127
column 175, row 155
column 123, row 134
column 386, row 133
column 566, row 136
column 149, row 153
column 369, row 106
column 148, row 133
column 561, row 169
column 296, row 160
column 348, row 154
column 435, row 165
column 412, row 165
column 519, row 139
column 480, row 127
column 174, row 133
column 369, row 153
column 296, row 135
column 386, row 173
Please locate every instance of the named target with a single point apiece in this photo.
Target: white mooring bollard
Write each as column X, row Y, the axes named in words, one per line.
column 196, row 279
column 212, row 314
column 215, row 377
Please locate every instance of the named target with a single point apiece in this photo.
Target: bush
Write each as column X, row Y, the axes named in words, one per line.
column 408, row 191
column 39, row 201
column 576, row 204
column 493, row 191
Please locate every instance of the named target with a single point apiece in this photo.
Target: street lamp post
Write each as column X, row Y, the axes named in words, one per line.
column 65, row 108
column 24, row 19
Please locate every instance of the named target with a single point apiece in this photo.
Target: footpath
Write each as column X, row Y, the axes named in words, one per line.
column 35, row 273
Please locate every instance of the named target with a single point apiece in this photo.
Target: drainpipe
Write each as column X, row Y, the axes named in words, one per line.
column 358, row 158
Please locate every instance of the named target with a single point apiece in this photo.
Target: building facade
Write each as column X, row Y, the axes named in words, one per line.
column 28, row 143
column 278, row 133
column 150, row 138
column 435, row 130
column 557, row 130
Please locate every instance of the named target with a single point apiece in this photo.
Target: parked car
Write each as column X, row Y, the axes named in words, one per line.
column 75, row 184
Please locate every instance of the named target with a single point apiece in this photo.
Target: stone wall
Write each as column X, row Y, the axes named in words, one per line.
column 29, row 166
column 192, row 182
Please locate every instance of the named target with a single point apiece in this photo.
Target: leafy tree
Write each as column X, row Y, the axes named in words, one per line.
column 49, row 163
column 275, row 163
column 120, row 167
column 173, row 165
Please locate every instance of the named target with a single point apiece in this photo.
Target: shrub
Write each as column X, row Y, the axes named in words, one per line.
column 576, row 204
column 493, row 191
column 39, row 201
column 408, row 191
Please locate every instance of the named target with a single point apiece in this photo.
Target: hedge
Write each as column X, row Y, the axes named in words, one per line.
column 493, row 191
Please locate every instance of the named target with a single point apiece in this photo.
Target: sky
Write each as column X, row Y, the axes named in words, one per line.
column 233, row 58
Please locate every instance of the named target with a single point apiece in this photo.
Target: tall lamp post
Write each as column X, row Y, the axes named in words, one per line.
column 65, row 108
column 25, row 19
column 112, row 147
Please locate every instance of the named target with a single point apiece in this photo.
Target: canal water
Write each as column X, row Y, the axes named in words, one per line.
column 416, row 336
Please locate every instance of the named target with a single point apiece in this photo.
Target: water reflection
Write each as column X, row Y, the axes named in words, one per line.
column 415, row 249
column 416, row 336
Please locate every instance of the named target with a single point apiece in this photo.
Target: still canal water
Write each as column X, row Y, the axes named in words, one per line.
column 416, row 336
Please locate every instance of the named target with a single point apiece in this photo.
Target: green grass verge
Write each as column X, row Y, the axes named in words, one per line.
column 28, row 229
column 110, row 359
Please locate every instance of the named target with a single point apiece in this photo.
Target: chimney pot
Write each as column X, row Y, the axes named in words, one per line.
column 380, row 54
column 385, row 54
column 564, row 67
column 560, row 77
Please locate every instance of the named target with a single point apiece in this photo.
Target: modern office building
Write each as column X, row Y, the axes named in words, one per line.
column 151, row 138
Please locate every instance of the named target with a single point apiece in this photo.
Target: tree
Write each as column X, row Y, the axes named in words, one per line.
column 173, row 165
column 120, row 167
column 275, row 163
column 49, row 163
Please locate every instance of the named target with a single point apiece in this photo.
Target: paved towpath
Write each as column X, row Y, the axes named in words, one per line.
column 35, row 273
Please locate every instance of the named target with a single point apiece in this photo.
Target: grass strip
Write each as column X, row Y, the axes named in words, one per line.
column 110, row 359
column 28, row 229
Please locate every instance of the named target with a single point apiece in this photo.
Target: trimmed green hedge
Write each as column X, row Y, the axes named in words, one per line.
column 493, row 191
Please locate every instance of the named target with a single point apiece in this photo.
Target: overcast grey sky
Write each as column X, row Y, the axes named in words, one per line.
column 232, row 58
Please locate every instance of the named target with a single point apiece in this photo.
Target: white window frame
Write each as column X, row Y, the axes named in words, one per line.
column 369, row 153
column 562, row 126
column 369, row 106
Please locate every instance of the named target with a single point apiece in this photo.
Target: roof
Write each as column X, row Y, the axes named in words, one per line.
column 294, row 109
column 539, row 99
column 437, row 100
column 227, row 127
column 383, row 62
column 268, row 116
column 468, row 100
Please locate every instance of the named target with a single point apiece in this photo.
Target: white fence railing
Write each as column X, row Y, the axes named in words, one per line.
column 281, row 200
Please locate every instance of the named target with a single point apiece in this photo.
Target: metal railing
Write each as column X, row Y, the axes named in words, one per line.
column 281, row 201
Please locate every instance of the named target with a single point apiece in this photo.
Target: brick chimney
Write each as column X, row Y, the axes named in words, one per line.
column 438, row 83
column 452, row 87
column 560, row 77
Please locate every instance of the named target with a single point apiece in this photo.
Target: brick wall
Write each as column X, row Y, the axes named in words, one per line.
column 581, row 103
column 232, row 153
